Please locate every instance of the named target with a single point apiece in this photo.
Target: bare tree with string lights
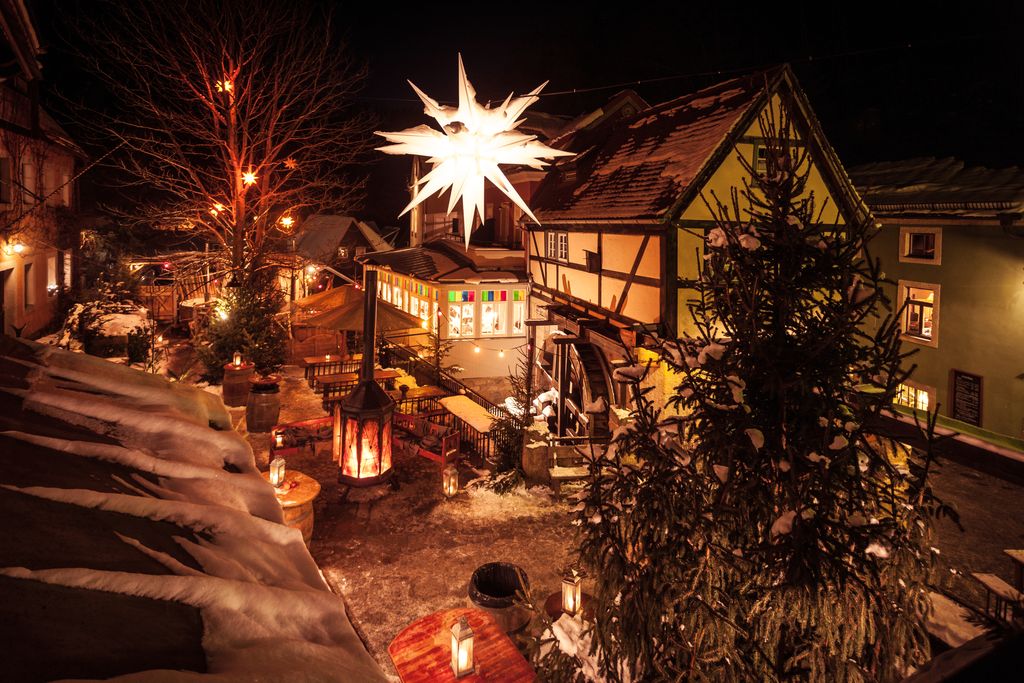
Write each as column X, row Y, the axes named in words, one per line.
column 234, row 119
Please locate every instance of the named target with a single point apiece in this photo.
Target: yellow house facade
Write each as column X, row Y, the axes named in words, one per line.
column 622, row 229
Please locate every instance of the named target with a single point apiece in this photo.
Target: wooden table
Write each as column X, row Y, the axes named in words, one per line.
column 422, row 652
column 1017, row 556
column 319, row 365
column 335, row 387
column 413, row 400
column 296, row 496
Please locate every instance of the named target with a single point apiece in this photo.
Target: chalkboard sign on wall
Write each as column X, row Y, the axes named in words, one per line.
column 965, row 390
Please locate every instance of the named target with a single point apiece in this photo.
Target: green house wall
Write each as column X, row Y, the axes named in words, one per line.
column 981, row 315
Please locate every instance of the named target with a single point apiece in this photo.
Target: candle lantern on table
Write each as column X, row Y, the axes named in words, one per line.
column 277, row 472
column 462, row 648
column 236, row 360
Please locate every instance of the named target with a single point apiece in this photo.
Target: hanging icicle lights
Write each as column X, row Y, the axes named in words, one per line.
column 475, row 140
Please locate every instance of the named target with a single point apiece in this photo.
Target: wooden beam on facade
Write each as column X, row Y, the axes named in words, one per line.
column 632, row 274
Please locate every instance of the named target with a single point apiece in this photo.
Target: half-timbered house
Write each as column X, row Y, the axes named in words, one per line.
column 623, row 223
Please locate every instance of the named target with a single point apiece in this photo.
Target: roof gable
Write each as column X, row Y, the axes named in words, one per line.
column 644, row 163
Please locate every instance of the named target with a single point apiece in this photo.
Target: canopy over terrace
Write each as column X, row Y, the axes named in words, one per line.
column 349, row 316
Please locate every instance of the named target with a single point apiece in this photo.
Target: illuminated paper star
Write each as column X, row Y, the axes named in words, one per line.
column 475, row 140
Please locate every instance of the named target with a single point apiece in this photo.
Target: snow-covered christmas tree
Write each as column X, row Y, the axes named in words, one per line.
column 758, row 527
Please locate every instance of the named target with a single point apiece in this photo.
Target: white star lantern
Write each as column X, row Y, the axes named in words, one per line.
column 475, row 141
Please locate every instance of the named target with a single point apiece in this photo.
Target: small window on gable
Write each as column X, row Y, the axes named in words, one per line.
column 760, row 159
column 921, row 245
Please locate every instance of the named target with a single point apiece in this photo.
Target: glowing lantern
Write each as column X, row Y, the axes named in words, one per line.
column 277, row 471
column 249, row 178
column 18, row 247
column 476, row 139
column 572, row 592
column 327, row 358
column 450, row 481
column 462, row 648
column 278, row 440
column 476, row 349
column 362, row 436
column 236, row 360
column 501, row 353
column 287, row 221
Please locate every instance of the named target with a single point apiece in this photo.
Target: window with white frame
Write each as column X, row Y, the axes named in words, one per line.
column 455, row 320
column 920, row 303
column 921, row 245
column 494, row 312
column 28, row 182
column 551, row 246
column 468, row 318
column 563, row 246
column 914, row 395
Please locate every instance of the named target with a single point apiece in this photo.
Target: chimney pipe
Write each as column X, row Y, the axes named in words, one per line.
column 369, row 324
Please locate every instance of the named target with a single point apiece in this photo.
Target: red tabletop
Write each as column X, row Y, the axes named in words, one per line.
column 422, row 652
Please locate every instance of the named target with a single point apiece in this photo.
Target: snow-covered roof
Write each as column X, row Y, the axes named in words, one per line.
column 448, row 261
column 139, row 536
column 323, row 233
column 939, row 187
column 638, row 167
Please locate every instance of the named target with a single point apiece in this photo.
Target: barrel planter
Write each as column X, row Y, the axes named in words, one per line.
column 493, row 587
column 296, row 496
column 264, row 406
column 236, row 383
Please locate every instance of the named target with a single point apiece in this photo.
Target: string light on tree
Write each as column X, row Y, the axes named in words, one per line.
column 476, row 139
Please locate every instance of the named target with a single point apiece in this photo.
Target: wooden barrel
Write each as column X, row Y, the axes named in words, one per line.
column 296, row 498
column 300, row 517
column 264, row 406
column 236, row 383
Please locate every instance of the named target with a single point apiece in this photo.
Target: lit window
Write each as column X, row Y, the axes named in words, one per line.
column 454, row 320
column 493, row 312
column 518, row 316
column 921, row 245
column 467, row 319
column 920, row 303
column 913, row 396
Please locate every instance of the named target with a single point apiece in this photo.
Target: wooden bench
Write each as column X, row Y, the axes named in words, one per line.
column 1007, row 598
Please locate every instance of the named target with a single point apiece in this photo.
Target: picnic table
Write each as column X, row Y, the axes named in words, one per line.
column 336, row 386
column 414, row 400
column 315, row 366
column 422, row 652
column 1017, row 556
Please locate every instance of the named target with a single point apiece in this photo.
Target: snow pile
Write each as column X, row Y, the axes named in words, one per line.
column 267, row 613
column 120, row 324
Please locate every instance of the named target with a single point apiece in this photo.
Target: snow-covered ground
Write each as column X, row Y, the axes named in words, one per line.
column 404, row 551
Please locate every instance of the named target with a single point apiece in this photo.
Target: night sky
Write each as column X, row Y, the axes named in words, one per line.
column 886, row 83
